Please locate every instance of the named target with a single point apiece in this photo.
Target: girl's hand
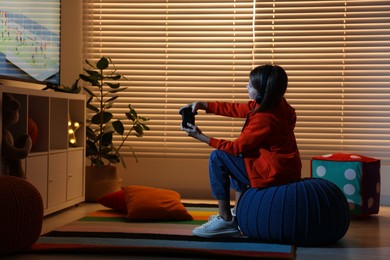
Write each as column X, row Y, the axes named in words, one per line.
column 196, row 133
column 195, row 106
column 192, row 130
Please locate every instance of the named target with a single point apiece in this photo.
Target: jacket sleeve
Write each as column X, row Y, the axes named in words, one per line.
column 247, row 144
column 239, row 110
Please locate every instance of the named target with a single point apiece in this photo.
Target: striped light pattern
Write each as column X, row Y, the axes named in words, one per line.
column 336, row 53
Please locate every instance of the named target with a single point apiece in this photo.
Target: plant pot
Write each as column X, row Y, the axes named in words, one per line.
column 100, row 182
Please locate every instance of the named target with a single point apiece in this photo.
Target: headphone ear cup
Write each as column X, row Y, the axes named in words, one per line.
column 259, row 99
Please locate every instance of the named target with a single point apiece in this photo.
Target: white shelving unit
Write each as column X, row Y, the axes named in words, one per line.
column 53, row 166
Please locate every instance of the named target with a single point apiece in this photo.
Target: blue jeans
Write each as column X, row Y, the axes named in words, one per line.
column 226, row 172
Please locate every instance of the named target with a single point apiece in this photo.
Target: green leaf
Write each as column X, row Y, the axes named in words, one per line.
column 139, row 129
column 108, row 128
column 144, row 118
column 118, row 126
column 101, row 118
column 102, row 64
column 91, row 148
column 92, row 107
column 98, row 163
column 112, row 99
column 92, row 72
column 108, row 105
column 104, row 150
column 89, row 63
column 113, row 85
column 113, row 77
column 130, row 116
column 106, row 139
column 75, row 88
column 91, row 79
column 90, row 134
column 145, row 127
column 90, row 92
column 116, row 90
column 112, row 158
column 134, row 113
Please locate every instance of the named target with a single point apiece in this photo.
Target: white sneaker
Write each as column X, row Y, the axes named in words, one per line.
column 217, row 227
column 231, row 210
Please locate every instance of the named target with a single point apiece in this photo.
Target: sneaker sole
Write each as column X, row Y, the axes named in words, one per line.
column 227, row 233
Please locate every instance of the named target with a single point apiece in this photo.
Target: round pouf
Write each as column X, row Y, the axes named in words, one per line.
column 309, row 212
column 21, row 214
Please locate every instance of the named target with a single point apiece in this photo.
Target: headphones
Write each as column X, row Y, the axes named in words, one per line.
column 259, row 99
column 267, row 69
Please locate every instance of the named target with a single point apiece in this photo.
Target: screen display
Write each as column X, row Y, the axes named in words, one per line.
column 30, row 40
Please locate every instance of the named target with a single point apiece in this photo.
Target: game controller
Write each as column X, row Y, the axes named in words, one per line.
column 187, row 117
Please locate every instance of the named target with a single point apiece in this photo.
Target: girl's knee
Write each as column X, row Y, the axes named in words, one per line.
column 216, row 154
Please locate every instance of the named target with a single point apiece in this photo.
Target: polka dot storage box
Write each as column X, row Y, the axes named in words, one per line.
column 356, row 175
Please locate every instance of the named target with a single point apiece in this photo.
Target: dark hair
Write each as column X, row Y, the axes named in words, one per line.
column 271, row 83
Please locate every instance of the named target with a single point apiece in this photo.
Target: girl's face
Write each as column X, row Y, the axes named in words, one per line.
column 252, row 92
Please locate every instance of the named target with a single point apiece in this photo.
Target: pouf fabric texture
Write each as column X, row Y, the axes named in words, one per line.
column 310, row 212
column 356, row 175
column 21, row 214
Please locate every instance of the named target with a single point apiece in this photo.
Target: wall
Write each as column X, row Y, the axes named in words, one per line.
column 71, row 41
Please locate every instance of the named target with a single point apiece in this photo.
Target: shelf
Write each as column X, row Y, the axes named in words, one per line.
column 54, row 166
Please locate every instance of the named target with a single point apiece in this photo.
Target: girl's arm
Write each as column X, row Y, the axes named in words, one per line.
column 238, row 110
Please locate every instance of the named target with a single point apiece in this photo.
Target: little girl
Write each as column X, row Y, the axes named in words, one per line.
column 265, row 154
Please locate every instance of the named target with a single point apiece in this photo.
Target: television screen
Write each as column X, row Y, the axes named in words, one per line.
column 30, row 40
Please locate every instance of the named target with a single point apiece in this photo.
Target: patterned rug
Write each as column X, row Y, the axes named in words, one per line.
column 108, row 232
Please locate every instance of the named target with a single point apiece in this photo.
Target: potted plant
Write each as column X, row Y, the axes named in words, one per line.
column 101, row 177
column 102, row 126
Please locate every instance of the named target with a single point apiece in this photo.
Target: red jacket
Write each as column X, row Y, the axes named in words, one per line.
column 267, row 142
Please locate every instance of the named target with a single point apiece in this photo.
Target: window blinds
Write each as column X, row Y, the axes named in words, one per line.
column 173, row 52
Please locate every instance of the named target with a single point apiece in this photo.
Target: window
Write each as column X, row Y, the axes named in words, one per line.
column 336, row 54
